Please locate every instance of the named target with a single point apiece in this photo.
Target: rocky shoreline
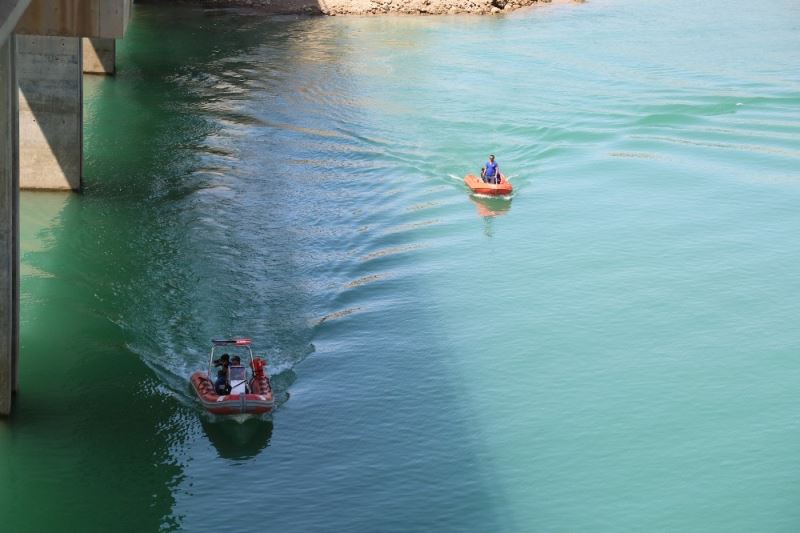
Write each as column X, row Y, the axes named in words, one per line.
column 382, row 7
column 422, row 7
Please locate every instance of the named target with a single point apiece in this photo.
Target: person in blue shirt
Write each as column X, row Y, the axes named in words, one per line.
column 490, row 173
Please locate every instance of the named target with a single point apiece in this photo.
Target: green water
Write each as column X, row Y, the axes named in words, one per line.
column 615, row 349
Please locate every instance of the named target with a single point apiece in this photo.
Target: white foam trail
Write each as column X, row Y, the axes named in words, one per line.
column 493, row 197
column 274, row 370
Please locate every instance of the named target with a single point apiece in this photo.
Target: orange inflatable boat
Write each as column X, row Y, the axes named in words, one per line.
column 242, row 393
column 478, row 186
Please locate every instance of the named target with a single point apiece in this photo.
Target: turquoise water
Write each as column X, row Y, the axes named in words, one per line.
column 615, row 349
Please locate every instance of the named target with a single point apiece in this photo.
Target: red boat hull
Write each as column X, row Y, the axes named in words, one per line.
column 478, row 186
column 258, row 401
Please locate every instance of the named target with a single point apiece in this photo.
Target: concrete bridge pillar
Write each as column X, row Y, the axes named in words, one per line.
column 41, row 125
column 9, row 227
column 50, row 78
column 99, row 55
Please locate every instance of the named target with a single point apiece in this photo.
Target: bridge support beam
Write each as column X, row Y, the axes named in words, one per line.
column 9, row 227
column 50, row 78
column 99, row 55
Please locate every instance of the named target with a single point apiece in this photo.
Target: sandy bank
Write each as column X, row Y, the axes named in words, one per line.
column 383, row 7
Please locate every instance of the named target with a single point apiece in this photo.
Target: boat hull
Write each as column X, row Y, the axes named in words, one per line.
column 259, row 401
column 478, row 186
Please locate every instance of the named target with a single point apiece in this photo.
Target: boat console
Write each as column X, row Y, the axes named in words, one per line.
column 237, row 377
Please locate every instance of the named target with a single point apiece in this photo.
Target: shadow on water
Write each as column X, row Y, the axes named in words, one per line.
column 237, row 440
column 96, row 434
column 89, row 417
column 171, row 244
column 491, row 207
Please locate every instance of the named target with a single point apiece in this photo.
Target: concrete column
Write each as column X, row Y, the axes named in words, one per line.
column 9, row 227
column 99, row 55
column 50, row 78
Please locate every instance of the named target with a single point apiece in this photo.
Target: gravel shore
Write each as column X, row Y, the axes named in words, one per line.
column 384, row 7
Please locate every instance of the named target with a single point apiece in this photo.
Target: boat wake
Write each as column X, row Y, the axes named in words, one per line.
column 507, row 198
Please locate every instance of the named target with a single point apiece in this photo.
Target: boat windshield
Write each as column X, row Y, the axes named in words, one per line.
column 232, row 348
column 237, row 373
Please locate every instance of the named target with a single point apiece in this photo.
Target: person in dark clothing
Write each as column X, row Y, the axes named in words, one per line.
column 236, row 360
column 221, row 384
column 223, row 361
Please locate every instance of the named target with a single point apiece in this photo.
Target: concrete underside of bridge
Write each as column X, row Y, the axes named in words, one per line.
column 76, row 18
column 55, row 38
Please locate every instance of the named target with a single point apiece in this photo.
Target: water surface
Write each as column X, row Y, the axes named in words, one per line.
column 614, row 349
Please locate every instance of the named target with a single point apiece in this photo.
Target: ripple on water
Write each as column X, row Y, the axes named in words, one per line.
column 648, row 253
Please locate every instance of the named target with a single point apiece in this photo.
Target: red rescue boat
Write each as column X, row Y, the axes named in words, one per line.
column 478, row 186
column 239, row 391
